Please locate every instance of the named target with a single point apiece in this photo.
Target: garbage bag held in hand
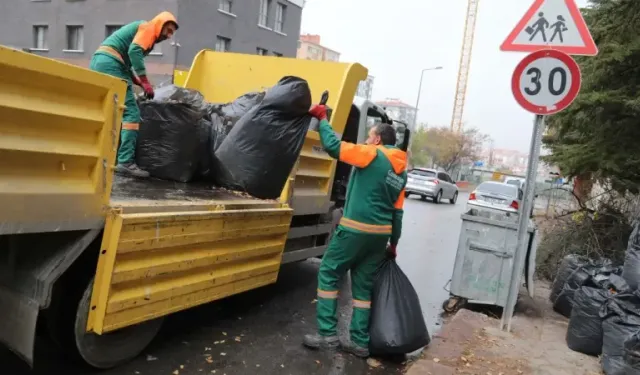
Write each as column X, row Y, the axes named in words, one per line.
column 397, row 325
column 225, row 116
column 168, row 140
column 620, row 320
column 631, row 271
column 263, row 146
column 584, row 334
column 631, row 355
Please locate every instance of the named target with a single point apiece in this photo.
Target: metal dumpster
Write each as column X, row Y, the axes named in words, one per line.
column 484, row 261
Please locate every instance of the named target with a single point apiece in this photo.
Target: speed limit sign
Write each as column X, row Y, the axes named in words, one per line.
column 546, row 82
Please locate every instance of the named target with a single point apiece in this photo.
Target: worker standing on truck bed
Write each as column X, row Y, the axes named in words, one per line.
column 122, row 55
column 371, row 224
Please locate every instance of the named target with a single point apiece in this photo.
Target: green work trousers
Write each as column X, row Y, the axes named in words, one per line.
column 362, row 254
column 107, row 64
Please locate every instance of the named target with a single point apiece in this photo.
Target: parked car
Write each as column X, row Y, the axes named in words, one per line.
column 429, row 183
column 495, row 196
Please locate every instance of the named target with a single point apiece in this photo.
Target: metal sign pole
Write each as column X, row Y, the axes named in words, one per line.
column 523, row 223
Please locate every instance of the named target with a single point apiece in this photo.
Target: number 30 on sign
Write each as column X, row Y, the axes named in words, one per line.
column 546, row 82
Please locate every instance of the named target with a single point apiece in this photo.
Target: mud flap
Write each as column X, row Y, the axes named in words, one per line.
column 18, row 323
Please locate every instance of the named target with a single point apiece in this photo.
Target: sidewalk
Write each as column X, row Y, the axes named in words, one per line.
column 471, row 343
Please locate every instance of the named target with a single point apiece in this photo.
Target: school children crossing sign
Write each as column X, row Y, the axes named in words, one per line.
column 552, row 24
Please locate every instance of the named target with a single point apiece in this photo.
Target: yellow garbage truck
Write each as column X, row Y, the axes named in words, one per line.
column 96, row 260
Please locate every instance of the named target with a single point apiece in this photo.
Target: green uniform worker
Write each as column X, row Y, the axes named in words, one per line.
column 371, row 224
column 122, row 55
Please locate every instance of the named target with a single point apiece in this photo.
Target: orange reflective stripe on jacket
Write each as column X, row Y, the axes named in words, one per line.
column 367, row 228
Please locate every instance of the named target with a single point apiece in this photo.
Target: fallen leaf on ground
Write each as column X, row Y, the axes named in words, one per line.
column 223, row 354
column 209, row 360
column 224, row 333
column 206, row 348
column 372, row 362
column 216, row 342
column 464, row 359
column 176, row 372
column 436, row 360
column 282, row 366
column 237, row 338
column 318, row 362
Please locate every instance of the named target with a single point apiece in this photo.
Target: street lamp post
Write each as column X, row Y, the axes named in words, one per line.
column 415, row 119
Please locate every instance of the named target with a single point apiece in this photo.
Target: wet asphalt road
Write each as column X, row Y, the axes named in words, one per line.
column 259, row 332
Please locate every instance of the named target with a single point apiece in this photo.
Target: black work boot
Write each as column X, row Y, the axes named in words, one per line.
column 320, row 342
column 131, row 169
column 358, row 351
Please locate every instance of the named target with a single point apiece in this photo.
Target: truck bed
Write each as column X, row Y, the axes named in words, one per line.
column 135, row 195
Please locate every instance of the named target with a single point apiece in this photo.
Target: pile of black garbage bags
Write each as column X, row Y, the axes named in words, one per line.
column 603, row 304
column 249, row 145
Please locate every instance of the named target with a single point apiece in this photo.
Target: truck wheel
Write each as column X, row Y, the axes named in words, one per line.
column 113, row 348
column 68, row 330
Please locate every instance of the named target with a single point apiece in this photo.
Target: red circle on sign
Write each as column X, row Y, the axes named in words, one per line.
column 572, row 93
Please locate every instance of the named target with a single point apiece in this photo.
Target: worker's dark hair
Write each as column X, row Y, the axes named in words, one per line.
column 387, row 134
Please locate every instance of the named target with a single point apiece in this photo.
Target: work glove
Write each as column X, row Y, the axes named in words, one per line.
column 136, row 80
column 146, row 86
column 319, row 111
column 391, row 251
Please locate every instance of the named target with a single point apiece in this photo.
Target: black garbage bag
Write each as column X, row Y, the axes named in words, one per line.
column 169, row 141
column 631, row 355
column 172, row 93
column 584, row 334
column 564, row 303
column 263, row 146
column 631, row 271
column 397, row 325
column 225, row 116
column 569, row 264
column 620, row 320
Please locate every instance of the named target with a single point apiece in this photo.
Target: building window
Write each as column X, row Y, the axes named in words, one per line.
column 223, row 44
column 110, row 29
column 277, row 54
column 280, row 13
column 75, row 38
column 261, row 51
column 264, row 12
column 40, row 37
column 226, row 5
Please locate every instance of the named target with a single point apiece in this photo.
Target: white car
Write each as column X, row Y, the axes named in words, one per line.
column 495, row 197
column 429, row 183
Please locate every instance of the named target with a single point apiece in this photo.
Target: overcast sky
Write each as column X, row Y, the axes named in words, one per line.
column 397, row 39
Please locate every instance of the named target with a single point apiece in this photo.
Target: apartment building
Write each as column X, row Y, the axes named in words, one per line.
column 309, row 48
column 72, row 30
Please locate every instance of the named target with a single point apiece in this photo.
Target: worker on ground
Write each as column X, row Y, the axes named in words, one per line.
column 122, row 55
column 368, row 231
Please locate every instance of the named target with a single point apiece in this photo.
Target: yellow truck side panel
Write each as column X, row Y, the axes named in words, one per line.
column 155, row 264
column 222, row 77
column 59, row 127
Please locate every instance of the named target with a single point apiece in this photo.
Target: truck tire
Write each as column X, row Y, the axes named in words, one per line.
column 98, row 351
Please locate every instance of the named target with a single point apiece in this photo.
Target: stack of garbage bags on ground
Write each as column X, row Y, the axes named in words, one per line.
column 249, row 145
column 603, row 304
